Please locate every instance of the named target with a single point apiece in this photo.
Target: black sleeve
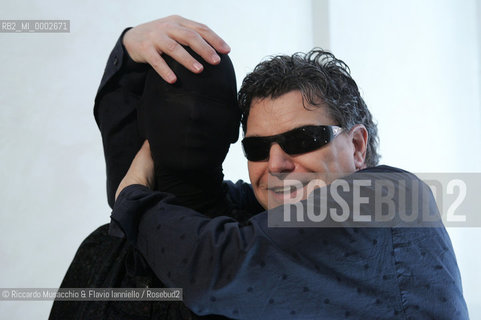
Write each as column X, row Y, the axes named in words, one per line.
column 115, row 113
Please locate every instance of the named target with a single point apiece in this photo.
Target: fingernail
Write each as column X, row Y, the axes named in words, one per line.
column 197, row 66
column 227, row 47
column 215, row 58
column 171, row 78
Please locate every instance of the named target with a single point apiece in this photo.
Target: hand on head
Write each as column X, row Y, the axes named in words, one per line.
column 147, row 43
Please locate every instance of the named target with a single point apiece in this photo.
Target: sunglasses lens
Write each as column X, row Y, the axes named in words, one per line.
column 306, row 139
column 256, row 148
column 297, row 141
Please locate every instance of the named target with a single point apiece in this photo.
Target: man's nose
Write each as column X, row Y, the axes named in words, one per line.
column 279, row 161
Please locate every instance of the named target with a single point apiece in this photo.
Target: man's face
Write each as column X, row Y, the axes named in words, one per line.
column 269, row 117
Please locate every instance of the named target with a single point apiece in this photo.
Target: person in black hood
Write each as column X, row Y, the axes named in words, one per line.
column 190, row 126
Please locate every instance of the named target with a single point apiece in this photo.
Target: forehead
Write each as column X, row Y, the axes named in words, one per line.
column 273, row 116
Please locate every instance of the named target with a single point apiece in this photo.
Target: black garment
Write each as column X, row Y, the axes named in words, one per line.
column 103, row 261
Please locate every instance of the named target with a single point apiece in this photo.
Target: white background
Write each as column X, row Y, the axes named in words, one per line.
column 417, row 64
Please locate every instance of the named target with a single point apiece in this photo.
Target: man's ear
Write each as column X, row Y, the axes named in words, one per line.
column 359, row 138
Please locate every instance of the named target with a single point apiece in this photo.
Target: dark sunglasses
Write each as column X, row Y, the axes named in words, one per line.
column 297, row 141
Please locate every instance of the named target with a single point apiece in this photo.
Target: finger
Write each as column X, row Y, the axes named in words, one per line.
column 146, row 144
column 188, row 37
column 208, row 34
column 178, row 53
column 160, row 66
column 146, row 148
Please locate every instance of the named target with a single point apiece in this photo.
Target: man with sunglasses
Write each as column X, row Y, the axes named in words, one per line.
column 302, row 115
